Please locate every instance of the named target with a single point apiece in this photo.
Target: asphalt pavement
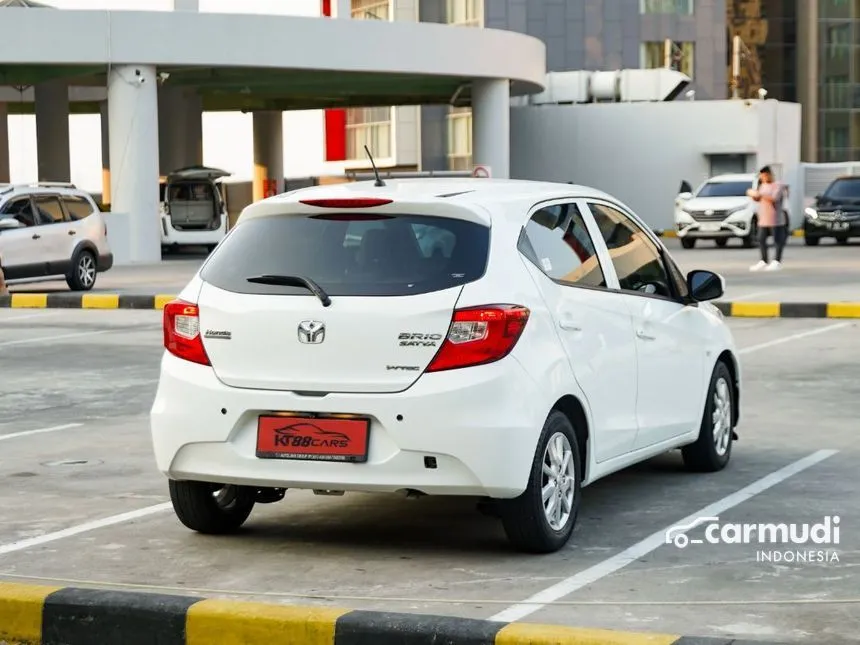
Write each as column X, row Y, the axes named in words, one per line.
column 827, row 273
column 82, row 504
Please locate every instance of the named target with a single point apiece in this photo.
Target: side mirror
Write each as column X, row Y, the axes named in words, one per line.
column 685, row 187
column 705, row 285
column 9, row 224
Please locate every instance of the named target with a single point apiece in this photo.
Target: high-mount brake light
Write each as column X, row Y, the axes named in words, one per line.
column 348, row 202
column 480, row 335
column 182, row 332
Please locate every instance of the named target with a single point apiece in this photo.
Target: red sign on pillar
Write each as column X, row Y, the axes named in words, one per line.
column 270, row 187
column 335, row 120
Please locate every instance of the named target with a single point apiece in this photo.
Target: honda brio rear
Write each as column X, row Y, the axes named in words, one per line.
column 348, row 344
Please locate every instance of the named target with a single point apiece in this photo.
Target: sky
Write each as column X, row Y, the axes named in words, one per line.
column 227, row 136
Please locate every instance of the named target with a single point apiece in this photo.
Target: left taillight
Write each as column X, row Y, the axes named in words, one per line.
column 480, row 335
column 182, row 332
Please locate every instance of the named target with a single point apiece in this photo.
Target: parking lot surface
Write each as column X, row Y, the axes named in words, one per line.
column 827, row 273
column 82, row 504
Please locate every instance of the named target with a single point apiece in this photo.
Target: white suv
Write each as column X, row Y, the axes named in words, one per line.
column 508, row 340
column 720, row 210
column 49, row 230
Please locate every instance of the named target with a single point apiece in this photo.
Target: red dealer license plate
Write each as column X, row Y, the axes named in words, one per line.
column 313, row 438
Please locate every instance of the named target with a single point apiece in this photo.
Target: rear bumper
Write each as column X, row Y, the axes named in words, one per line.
column 171, row 236
column 105, row 262
column 478, row 424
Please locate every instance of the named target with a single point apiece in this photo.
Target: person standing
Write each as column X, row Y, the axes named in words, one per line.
column 770, row 196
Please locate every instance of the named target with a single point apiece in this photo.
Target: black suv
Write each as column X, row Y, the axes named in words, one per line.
column 835, row 213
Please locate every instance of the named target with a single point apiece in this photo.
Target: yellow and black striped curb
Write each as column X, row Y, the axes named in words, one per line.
column 157, row 302
column 669, row 233
column 790, row 309
column 37, row 615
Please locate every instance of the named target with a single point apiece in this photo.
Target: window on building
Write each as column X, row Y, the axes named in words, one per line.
column 680, row 7
column 681, row 56
column 460, row 138
column 370, row 127
column 371, row 10
column 468, row 13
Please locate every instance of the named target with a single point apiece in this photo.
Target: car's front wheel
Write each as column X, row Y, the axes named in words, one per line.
column 542, row 518
column 688, row 242
column 212, row 508
column 82, row 276
column 713, row 448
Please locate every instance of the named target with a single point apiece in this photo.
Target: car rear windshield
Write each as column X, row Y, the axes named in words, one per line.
column 725, row 189
column 351, row 255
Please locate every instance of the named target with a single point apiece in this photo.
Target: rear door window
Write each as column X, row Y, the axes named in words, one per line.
column 49, row 208
column 351, row 254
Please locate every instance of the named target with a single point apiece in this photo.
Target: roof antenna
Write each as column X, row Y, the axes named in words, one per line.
column 378, row 181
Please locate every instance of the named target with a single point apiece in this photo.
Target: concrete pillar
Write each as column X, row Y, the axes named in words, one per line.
column 186, row 5
column 808, row 56
column 180, row 128
column 4, row 144
column 491, row 131
column 52, row 130
column 341, row 8
column 268, row 154
column 133, row 123
column 103, row 110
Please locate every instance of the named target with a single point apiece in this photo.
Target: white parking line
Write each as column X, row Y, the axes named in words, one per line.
column 41, row 314
column 47, row 339
column 754, row 294
column 652, row 542
column 21, row 545
column 27, row 433
column 798, row 336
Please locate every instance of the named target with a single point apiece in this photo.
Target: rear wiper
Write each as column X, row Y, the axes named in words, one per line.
column 293, row 281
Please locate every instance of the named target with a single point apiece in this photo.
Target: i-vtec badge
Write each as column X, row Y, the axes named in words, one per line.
column 218, row 334
column 403, row 368
column 408, row 339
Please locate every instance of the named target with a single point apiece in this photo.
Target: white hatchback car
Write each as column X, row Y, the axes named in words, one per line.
column 508, row 340
column 49, row 230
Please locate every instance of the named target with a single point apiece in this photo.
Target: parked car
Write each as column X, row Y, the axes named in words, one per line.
column 720, row 210
column 52, row 230
column 193, row 211
column 835, row 213
column 509, row 340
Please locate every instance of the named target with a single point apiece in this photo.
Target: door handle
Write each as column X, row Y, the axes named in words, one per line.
column 73, row 232
column 36, row 236
column 567, row 323
column 641, row 333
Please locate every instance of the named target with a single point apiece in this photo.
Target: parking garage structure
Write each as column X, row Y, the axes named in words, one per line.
column 151, row 74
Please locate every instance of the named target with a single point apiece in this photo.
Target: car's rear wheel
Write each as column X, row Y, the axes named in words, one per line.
column 212, row 508
column 811, row 241
column 713, row 448
column 542, row 518
column 82, row 276
column 688, row 242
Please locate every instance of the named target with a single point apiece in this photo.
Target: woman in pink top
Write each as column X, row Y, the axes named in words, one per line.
column 770, row 195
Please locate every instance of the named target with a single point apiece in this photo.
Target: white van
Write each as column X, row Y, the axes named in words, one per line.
column 193, row 210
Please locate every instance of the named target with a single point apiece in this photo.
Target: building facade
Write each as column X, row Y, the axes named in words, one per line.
column 689, row 35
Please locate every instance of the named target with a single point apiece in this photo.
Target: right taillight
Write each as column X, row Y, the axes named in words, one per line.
column 182, row 332
column 480, row 335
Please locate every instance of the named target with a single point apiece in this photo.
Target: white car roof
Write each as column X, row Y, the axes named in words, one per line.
column 463, row 192
column 14, row 190
column 750, row 177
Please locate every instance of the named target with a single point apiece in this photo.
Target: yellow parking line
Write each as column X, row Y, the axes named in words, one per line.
column 531, row 634
column 100, row 301
column 843, row 309
column 755, row 309
column 241, row 623
column 29, row 300
column 162, row 300
column 21, row 612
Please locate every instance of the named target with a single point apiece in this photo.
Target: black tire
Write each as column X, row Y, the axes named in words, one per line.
column 811, row 241
column 688, row 242
column 523, row 517
column 198, row 508
column 82, row 275
column 842, row 240
column 721, row 242
column 703, row 455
